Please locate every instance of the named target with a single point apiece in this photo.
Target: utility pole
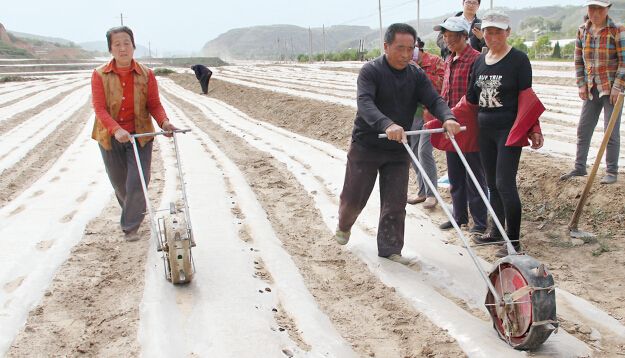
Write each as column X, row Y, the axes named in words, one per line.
column 149, row 49
column 381, row 36
column 419, row 15
column 491, row 4
column 121, row 18
column 324, row 43
column 309, row 45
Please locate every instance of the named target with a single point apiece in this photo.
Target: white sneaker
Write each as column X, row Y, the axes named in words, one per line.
column 342, row 237
column 399, row 259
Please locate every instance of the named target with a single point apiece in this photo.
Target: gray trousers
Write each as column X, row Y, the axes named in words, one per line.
column 422, row 149
column 121, row 168
column 586, row 126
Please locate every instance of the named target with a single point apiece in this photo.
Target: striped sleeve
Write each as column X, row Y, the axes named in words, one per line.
column 619, row 78
column 579, row 61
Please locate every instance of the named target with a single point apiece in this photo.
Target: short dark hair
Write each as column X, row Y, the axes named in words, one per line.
column 400, row 28
column 420, row 44
column 118, row 29
column 478, row 1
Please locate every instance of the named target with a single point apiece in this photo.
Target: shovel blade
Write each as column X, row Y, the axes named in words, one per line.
column 579, row 234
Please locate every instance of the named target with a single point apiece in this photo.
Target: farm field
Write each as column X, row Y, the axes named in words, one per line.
column 264, row 167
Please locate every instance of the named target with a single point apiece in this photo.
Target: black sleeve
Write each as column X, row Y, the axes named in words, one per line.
column 366, row 87
column 525, row 72
column 472, row 94
column 476, row 43
column 430, row 98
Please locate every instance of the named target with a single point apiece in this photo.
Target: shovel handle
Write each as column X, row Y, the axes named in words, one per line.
column 423, row 131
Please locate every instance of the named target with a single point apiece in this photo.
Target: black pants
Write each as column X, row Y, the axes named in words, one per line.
column 363, row 166
column 464, row 192
column 501, row 164
column 121, row 168
column 204, row 82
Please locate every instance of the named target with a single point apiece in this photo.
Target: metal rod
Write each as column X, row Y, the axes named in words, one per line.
column 145, row 188
column 154, row 134
column 427, row 180
column 423, row 131
column 381, row 36
column 182, row 186
column 509, row 246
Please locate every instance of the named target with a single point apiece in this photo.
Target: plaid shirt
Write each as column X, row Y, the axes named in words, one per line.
column 434, row 68
column 599, row 58
column 457, row 73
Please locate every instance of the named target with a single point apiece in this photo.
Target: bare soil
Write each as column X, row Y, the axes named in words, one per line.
column 593, row 268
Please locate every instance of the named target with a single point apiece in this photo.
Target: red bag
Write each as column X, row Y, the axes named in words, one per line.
column 466, row 115
column 526, row 121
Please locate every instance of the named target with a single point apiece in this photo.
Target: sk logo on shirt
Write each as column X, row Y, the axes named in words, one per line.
column 489, row 96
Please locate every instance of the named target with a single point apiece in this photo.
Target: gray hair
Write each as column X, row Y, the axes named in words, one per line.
column 117, row 30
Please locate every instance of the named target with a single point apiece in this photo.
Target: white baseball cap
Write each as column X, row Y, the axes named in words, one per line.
column 604, row 3
column 496, row 18
column 454, row 24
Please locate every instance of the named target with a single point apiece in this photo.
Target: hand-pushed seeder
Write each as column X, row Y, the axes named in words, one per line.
column 172, row 231
column 521, row 296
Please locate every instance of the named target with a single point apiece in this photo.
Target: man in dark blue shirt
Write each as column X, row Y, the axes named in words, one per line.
column 389, row 91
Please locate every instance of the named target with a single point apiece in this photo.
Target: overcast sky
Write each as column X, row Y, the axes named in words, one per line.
column 185, row 25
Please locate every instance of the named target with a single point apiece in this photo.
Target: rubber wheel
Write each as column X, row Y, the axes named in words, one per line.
column 521, row 322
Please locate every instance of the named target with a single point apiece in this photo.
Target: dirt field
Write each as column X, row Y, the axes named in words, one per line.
column 98, row 302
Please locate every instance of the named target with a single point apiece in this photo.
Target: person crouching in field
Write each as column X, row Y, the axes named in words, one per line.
column 125, row 96
column 389, row 89
column 203, row 74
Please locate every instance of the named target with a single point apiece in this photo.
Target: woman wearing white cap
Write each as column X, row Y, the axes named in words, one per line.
column 497, row 78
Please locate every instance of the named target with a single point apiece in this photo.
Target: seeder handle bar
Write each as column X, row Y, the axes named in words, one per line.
column 472, row 255
column 154, row 134
column 509, row 246
column 423, row 131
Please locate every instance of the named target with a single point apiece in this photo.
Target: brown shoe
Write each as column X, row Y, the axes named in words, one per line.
column 430, row 203
column 416, row 200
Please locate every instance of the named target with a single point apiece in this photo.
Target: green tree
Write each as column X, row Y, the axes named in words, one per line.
column 533, row 22
column 542, row 46
column 556, row 51
column 568, row 50
column 518, row 43
column 373, row 53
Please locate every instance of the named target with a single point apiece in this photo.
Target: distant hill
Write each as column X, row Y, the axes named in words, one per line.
column 276, row 42
column 20, row 45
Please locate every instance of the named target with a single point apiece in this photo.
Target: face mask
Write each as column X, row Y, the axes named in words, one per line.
column 415, row 54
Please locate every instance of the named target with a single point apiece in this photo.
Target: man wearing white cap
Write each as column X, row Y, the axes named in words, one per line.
column 458, row 65
column 600, row 72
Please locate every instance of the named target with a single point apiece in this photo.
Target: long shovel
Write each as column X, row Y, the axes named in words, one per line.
column 573, row 229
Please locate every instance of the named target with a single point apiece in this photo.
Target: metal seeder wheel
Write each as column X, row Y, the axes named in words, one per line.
column 521, row 294
column 176, row 240
column 525, row 313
